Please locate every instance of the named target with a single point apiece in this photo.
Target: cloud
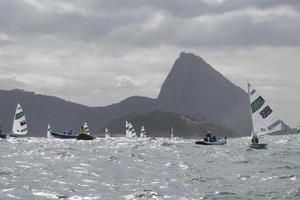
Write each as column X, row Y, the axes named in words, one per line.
column 9, row 83
column 126, row 82
column 154, row 23
column 98, row 52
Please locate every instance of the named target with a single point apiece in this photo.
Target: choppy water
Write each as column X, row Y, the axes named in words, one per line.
column 33, row 168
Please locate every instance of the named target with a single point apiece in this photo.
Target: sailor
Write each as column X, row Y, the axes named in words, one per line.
column 207, row 137
column 213, row 138
column 81, row 130
column 255, row 139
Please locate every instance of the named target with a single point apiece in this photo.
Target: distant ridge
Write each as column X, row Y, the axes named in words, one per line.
column 159, row 123
column 192, row 88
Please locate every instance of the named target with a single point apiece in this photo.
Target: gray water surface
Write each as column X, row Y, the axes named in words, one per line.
column 120, row 168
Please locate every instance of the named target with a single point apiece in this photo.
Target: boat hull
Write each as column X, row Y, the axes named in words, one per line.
column 220, row 141
column 17, row 135
column 6, row 135
column 3, row 136
column 63, row 136
column 258, row 146
column 84, row 136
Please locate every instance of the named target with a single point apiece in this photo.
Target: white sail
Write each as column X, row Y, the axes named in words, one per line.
column 298, row 129
column 132, row 131
column 107, row 134
column 49, row 130
column 86, row 129
column 127, row 127
column 19, row 123
column 143, row 132
column 172, row 132
column 264, row 120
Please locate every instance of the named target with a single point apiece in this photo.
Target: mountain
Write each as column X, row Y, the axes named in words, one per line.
column 159, row 123
column 63, row 115
column 192, row 88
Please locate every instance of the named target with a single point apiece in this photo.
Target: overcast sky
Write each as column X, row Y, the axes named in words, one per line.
column 98, row 52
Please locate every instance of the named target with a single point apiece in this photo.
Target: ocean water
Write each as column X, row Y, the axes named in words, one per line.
column 120, row 168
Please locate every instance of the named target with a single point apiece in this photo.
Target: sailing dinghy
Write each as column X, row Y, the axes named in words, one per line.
column 143, row 132
column 2, row 136
column 107, row 133
column 85, row 133
column 172, row 133
column 19, row 128
column 130, row 131
column 49, row 130
column 264, row 120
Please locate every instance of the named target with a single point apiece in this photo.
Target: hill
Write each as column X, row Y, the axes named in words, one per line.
column 195, row 88
column 159, row 124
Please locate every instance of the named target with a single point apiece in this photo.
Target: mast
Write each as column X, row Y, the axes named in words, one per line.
column 252, row 121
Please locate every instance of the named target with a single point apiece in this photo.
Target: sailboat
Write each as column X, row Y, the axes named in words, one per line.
column 298, row 129
column 2, row 136
column 49, row 130
column 20, row 124
column 264, row 120
column 130, row 131
column 143, row 132
column 172, row 133
column 19, row 128
column 85, row 133
column 127, row 132
column 107, row 133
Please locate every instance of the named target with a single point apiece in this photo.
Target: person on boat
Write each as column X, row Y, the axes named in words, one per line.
column 207, row 137
column 255, row 139
column 81, row 130
column 213, row 139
